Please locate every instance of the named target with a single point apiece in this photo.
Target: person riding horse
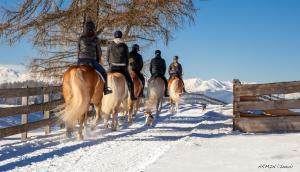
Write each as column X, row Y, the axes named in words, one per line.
column 89, row 52
column 136, row 64
column 175, row 70
column 117, row 58
column 158, row 69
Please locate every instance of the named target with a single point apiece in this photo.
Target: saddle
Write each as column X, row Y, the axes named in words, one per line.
column 90, row 65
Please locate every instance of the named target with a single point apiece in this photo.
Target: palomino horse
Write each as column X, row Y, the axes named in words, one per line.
column 81, row 86
column 133, row 106
column 155, row 92
column 111, row 102
column 175, row 86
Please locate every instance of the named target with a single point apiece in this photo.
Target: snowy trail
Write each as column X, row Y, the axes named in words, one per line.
column 132, row 148
column 188, row 141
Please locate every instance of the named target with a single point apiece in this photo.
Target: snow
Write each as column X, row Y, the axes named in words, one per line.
column 191, row 140
column 221, row 90
column 13, row 73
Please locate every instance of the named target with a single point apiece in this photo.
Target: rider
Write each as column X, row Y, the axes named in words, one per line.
column 158, row 68
column 175, row 69
column 89, row 52
column 117, row 58
column 136, row 63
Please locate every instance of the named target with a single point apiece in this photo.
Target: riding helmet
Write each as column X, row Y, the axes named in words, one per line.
column 135, row 47
column 157, row 52
column 118, row 34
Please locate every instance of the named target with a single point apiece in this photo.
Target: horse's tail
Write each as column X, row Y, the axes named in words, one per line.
column 174, row 93
column 80, row 99
column 155, row 93
column 114, row 99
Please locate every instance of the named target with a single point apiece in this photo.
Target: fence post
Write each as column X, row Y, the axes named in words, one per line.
column 236, row 99
column 46, row 99
column 24, row 117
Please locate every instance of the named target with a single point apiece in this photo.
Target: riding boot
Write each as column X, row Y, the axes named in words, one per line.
column 131, row 89
column 106, row 89
column 166, row 92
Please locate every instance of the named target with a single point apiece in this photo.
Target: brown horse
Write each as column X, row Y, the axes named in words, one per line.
column 155, row 93
column 111, row 103
column 133, row 106
column 81, row 86
column 175, row 86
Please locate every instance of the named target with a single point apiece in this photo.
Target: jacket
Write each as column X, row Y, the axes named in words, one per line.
column 158, row 66
column 175, row 69
column 136, row 61
column 117, row 54
column 89, row 48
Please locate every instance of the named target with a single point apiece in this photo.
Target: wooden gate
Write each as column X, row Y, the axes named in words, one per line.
column 263, row 108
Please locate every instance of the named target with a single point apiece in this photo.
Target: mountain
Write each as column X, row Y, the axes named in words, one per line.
column 13, row 73
column 213, row 88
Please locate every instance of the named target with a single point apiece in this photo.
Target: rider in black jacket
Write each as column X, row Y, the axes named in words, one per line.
column 158, row 68
column 117, row 58
column 89, row 51
column 136, row 64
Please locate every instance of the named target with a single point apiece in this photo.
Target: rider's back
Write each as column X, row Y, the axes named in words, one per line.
column 88, row 47
column 158, row 66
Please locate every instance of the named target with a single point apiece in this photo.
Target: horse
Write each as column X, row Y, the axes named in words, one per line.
column 155, row 93
column 111, row 103
column 81, row 87
column 175, row 86
column 134, row 105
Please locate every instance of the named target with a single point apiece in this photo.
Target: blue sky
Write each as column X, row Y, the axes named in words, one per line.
column 252, row 40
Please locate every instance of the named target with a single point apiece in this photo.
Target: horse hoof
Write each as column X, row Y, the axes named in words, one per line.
column 122, row 118
column 79, row 137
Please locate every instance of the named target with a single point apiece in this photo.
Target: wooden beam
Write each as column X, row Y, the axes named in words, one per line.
column 267, row 89
column 268, row 124
column 47, row 114
column 21, row 92
column 268, row 105
column 4, row 132
column 24, row 118
column 11, row 111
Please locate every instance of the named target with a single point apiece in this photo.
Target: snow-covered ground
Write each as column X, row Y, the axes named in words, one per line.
column 191, row 140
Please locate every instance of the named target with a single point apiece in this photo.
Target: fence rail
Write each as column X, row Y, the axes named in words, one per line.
column 256, row 109
column 25, row 109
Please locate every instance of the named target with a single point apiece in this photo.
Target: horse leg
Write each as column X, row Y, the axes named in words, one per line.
column 130, row 111
column 81, row 125
column 177, row 107
column 137, row 106
column 114, row 123
column 98, row 116
column 105, row 120
column 171, row 106
column 160, row 104
column 69, row 131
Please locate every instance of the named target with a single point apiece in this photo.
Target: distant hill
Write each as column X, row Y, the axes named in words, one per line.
column 213, row 88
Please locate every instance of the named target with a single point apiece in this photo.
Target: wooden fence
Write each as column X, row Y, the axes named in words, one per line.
column 253, row 112
column 25, row 109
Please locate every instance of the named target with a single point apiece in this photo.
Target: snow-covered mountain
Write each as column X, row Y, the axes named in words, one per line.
column 213, row 88
column 13, row 73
